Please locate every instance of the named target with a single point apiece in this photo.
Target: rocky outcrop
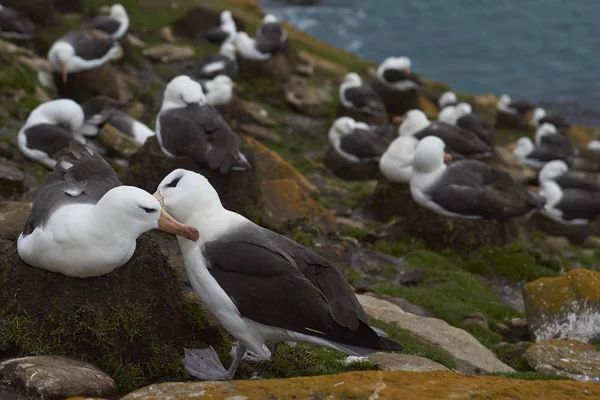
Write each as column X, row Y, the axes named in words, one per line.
column 469, row 354
column 123, row 322
column 56, row 378
column 307, row 98
column 272, row 192
column 569, row 358
column 404, row 362
column 375, row 385
column 84, row 85
column 565, row 307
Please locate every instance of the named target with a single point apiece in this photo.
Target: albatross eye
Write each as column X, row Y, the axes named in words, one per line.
column 174, row 182
column 149, row 210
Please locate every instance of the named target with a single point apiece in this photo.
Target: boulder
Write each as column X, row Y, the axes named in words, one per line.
column 307, row 98
column 245, row 192
column 404, row 362
column 11, row 180
column 276, row 68
column 431, row 385
column 569, row 358
column 13, row 215
column 513, row 354
column 397, row 102
column 83, row 85
column 123, row 322
column 167, row 52
column 565, row 307
column 348, row 170
column 56, row 378
column 469, row 354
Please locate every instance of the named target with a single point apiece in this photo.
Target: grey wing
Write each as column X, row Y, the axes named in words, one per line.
column 572, row 181
column 395, row 75
column 215, row 35
column 545, row 153
column 456, row 139
column 181, row 136
column 79, row 176
column 48, row 138
column 123, row 122
column 364, row 97
column 476, row 124
column 579, row 204
column 87, row 45
column 13, row 22
column 104, row 23
column 363, row 144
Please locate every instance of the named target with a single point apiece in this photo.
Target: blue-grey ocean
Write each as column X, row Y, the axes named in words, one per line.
column 546, row 51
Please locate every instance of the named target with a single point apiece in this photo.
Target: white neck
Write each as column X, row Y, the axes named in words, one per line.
column 212, row 222
column 552, row 193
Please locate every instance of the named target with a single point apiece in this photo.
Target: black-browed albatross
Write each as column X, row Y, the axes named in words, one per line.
column 395, row 73
column 261, row 285
column 355, row 141
column 506, row 105
column 115, row 24
column 558, row 171
column 271, row 37
column 225, row 32
column 83, row 223
column 358, row 96
column 222, row 63
column 466, row 189
column 187, row 126
column 462, row 116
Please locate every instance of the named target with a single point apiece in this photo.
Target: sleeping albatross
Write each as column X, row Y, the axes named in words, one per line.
column 221, row 63
column 447, row 99
column 462, row 116
column 530, row 154
column 15, row 25
column 49, row 128
column 79, row 51
column 83, row 223
column 225, row 32
column 466, row 189
column 115, row 24
column 355, row 141
column 357, row 96
column 396, row 162
column 541, row 116
column 187, row 126
column 507, row 106
column 460, row 142
column 395, row 73
column 251, row 49
column 261, row 285
column 271, row 37
column 557, row 171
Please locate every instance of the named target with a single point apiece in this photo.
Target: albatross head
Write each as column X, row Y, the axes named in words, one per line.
column 464, row 109
column 270, row 18
column 447, row 99
column 429, row 155
column 118, row 12
column 60, row 57
column 449, row 115
column 504, row 100
column 522, row 148
column 183, row 91
column 226, row 17
column 136, row 211
column 228, row 50
column 414, row 121
column 341, row 127
column 552, row 170
column 353, row 78
column 538, row 114
column 546, row 129
column 185, row 193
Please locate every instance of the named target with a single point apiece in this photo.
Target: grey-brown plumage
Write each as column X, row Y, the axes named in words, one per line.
column 479, row 126
column 364, row 145
column 216, row 64
column 15, row 25
column 458, row 140
column 104, row 23
column 79, row 176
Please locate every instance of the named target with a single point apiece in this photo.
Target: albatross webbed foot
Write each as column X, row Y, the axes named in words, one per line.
column 205, row 364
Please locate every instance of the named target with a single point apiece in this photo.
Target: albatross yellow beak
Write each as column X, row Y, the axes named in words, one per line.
column 64, row 73
column 169, row 224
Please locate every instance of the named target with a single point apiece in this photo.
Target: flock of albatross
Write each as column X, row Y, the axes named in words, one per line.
column 261, row 286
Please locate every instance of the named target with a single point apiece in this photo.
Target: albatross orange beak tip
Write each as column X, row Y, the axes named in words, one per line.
column 167, row 223
column 447, row 158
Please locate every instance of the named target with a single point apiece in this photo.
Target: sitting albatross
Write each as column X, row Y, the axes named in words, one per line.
column 259, row 284
column 15, row 25
column 271, row 37
column 80, row 51
column 355, row 141
column 541, row 116
column 467, row 189
column 357, row 96
column 115, row 24
column 187, row 126
column 83, row 223
column 518, row 107
column 557, row 171
column 395, row 73
column 448, row 99
column 462, row 116
column 569, row 206
column 221, row 63
column 396, row 162
column 225, row 32
column 49, row 128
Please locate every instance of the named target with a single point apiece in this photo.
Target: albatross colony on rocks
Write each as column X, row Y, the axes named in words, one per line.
column 571, row 200
column 357, row 96
column 460, row 142
column 466, row 189
column 261, row 285
column 221, row 63
column 187, row 126
column 102, row 111
column 80, row 51
column 395, row 73
column 225, row 32
column 83, row 223
column 49, row 128
column 15, row 25
column 355, row 141
column 462, row 116
column 115, row 24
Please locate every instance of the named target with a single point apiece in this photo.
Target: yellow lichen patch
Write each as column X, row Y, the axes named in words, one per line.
column 270, row 165
column 486, row 100
column 556, row 294
column 284, row 201
column 582, row 134
column 428, row 107
column 376, row 385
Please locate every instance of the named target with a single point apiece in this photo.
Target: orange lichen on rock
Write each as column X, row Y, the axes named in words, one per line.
column 284, row 201
column 375, row 384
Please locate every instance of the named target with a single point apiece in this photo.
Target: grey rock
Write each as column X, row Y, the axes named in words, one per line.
column 404, row 362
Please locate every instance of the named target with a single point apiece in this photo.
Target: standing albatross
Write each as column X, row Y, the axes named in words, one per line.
column 261, row 285
column 83, row 223
column 466, row 189
column 187, row 126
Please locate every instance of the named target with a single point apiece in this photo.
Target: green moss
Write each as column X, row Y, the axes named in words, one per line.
column 451, row 292
column 302, row 237
column 359, row 234
column 414, row 346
